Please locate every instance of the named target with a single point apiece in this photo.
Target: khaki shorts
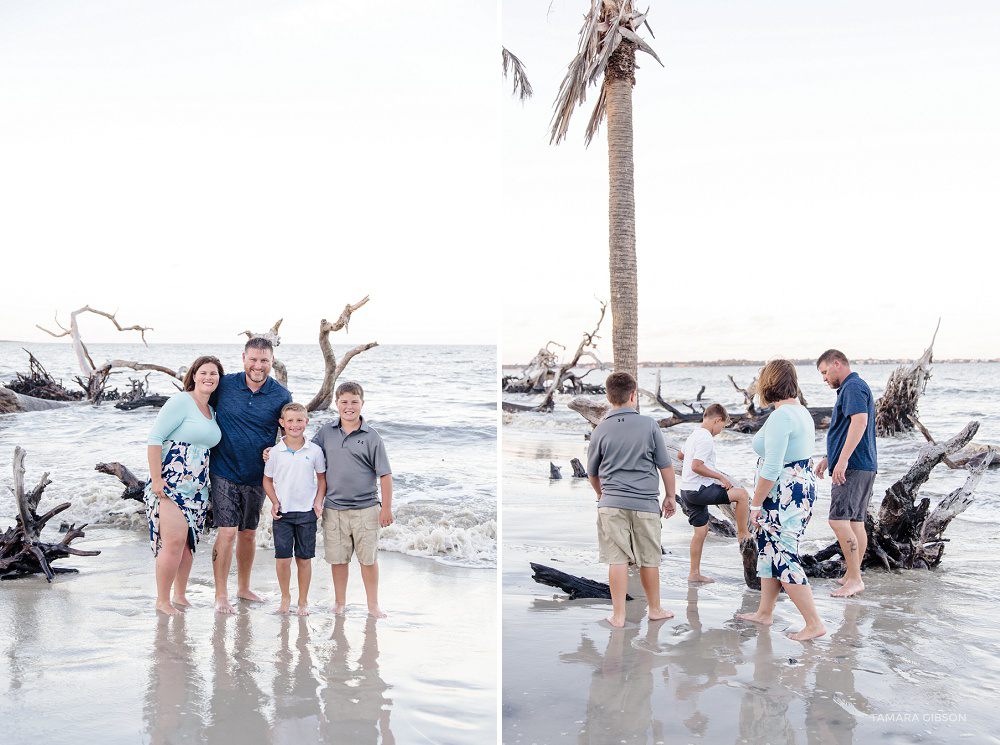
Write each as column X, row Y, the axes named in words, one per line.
column 346, row 532
column 629, row 537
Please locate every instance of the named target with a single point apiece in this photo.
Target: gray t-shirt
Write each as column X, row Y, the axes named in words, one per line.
column 354, row 464
column 627, row 450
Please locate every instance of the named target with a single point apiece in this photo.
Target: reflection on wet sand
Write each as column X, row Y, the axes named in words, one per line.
column 355, row 704
column 821, row 676
column 236, row 700
column 619, row 708
column 173, row 698
column 214, row 693
column 297, row 711
column 668, row 678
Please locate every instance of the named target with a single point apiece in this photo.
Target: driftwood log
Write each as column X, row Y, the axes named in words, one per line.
column 897, row 407
column 22, row 552
column 575, row 587
column 15, row 403
column 908, row 534
column 332, row 368
column 133, row 486
column 562, row 378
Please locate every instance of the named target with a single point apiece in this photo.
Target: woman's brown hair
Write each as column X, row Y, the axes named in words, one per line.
column 203, row 360
column 777, row 382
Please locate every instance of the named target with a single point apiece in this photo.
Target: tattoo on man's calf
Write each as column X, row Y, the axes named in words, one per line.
column 215, row 554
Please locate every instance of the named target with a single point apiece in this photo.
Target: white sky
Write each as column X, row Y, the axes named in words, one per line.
column 808, row 175
column 208, row 167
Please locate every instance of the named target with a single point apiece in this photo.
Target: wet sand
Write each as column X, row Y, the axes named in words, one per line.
column 915, row 658
column 86, row 659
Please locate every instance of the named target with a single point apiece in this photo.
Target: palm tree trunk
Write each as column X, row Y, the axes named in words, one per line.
column 618, row 82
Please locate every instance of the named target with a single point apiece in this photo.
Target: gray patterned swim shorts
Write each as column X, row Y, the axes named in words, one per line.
column 235, row 505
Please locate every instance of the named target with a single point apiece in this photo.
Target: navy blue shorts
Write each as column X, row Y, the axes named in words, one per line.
column 295, row 532
column 695, row 503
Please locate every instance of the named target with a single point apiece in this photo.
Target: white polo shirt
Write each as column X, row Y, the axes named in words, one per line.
column 699, row 446
column 294, row 473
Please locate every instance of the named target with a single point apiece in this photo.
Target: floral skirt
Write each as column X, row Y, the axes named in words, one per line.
column 185, row 471
column 784, row 516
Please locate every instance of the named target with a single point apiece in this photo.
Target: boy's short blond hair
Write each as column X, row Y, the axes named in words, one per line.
column 715, row 410
column 293, row 407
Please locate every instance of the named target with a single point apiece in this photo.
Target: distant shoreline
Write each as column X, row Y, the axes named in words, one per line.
column 761, row 363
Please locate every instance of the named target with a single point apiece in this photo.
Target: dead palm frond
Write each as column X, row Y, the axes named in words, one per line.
column 522, row 88
column 608, row 23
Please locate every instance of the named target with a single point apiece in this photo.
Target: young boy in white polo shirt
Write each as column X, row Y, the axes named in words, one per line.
column 295, row 482
column 702, row 485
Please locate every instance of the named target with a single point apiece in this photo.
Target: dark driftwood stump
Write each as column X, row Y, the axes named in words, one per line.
column 156, row 401
column 22, row 552
column 575, row 587
column 907, row 533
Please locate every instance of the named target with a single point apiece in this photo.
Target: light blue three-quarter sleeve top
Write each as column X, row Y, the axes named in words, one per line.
column 181, row 420
column 788, row 435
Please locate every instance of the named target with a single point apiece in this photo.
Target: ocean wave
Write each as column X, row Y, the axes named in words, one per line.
column 446, row 531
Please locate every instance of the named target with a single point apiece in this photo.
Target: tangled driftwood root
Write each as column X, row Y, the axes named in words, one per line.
column 908, row 534
column 22, row 552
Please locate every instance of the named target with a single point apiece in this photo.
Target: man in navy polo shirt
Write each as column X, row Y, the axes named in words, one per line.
column 247, row 405
column 851, row 457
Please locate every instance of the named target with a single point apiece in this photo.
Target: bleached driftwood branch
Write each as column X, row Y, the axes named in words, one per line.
column 332, row 368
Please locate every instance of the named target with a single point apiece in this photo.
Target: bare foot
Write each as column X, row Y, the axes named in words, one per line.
column 222, row 606
column 764, row 619
column 841, row 580
column 746, row 536
column 809, row 632
column 181, row 600
column 618, row 623
column 699, row 578
column 168, row 609
column 660, row 614
column 848, row 588
column 251, row 596
column 339, row 608
column 285, row 602
column 375, row 612
column 303, row 610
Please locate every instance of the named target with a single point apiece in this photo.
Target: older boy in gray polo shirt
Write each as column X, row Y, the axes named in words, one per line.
column 626, row 451
column 357, row 470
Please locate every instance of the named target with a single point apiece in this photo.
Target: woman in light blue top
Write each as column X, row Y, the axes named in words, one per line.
column 783, row 498
column 177, row 490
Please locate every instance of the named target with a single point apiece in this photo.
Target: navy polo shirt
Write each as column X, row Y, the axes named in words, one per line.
column 249, row 423
column 853, row 397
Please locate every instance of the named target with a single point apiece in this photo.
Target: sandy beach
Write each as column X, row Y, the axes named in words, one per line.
column 86, row 659
column 914, row 658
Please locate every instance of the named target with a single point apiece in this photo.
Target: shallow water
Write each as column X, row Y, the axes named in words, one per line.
column 915, row 658
column 86, row 659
